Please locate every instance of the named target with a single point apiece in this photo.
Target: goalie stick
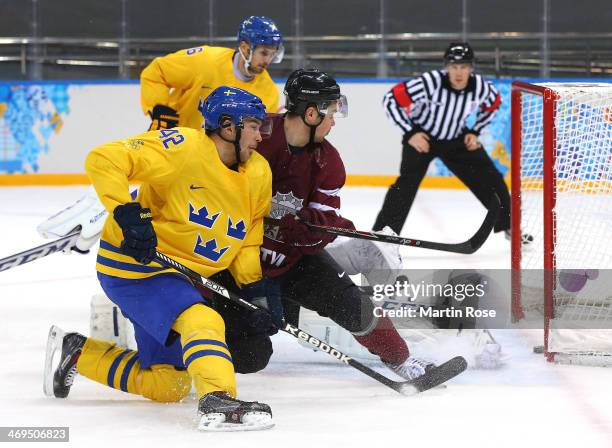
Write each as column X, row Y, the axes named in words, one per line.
column 467, row 247
column 432, row 378
column 58, row 245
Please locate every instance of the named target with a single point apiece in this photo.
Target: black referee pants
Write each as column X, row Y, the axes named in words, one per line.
column 474, row 168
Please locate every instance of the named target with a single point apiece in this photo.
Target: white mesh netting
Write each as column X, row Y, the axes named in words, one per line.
column 582, row 291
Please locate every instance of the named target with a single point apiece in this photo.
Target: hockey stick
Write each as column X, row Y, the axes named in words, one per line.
column 60, row 244
column 432, row 378
column 467, row 247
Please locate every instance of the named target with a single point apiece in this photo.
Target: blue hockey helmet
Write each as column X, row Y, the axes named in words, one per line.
column 236, row 104
column 260, row 30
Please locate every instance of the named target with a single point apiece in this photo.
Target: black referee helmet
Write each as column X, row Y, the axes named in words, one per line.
column 459, row 53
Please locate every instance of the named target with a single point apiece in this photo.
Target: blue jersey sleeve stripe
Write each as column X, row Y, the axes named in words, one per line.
column 203, row 342
column 202, row 353
column 110, row 379
column 126, row 266
column 126, row 372
column 110, row 247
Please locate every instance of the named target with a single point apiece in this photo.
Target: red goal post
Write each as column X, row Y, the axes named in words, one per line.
column 561, row 194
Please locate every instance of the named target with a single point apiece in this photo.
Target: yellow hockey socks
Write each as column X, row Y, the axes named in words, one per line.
column 205, row 353
column 119, row 368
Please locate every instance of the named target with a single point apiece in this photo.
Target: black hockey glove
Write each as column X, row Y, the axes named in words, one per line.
column 139, row 239
column 265, row 294
column 163, row 117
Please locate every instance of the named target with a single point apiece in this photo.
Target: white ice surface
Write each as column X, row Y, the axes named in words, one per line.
column 316, row 402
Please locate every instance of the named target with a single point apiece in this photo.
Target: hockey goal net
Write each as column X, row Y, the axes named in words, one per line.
column 562, row 196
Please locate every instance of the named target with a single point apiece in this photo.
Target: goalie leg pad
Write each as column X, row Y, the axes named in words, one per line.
column 382, row 342
column 107, row 323
column 329, row 332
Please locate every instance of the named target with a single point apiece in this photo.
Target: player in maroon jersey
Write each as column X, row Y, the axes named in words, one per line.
column 307, row 175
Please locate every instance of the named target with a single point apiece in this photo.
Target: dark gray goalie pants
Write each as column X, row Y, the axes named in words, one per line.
column 474, row 168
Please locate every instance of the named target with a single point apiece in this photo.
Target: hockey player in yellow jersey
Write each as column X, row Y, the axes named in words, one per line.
column 174, row 87
column 202, row 200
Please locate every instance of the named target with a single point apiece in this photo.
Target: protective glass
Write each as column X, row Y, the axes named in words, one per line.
column 278, row 56
column 265, row 125
column 338, row 108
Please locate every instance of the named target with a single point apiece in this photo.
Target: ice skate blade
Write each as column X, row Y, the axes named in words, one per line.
column 251, row 421
column 54, row 341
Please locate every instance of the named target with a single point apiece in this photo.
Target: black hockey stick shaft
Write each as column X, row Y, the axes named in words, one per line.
column 60, row 244
column 164, row 260
column 467, row 247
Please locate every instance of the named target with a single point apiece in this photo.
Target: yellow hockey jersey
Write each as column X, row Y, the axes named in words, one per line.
column 205, row 215
column 183, row 80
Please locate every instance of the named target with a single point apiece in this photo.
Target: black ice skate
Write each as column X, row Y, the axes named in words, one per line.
column 220, row 412
column 59, row 375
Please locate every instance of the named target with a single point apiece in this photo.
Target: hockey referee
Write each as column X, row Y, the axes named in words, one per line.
column 432, row 110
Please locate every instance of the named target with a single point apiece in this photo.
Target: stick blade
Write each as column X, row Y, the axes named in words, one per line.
column 435, row 376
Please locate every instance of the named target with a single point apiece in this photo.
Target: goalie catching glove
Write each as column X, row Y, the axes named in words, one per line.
column 139, row 235
column 87, row 214
column 163, row 117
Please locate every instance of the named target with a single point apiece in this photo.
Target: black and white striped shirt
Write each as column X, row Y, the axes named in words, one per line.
column 429, row 104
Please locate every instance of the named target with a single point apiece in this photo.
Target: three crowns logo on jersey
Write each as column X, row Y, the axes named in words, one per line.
column 204, row 218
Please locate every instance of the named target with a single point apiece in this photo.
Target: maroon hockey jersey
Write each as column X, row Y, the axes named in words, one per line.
column 300, row 178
